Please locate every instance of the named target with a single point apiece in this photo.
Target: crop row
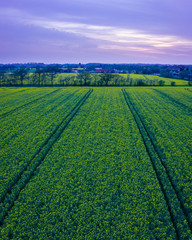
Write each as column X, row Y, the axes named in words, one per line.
column 25, row 117
column 30, row 168
column 23, row 134
column 96, row 182
column 176, row 208
column 9, row 110
column 20, row 134
column 17, row 98
column 169, row 127
column 154, row 80
column 7, row 92
column 181, row 102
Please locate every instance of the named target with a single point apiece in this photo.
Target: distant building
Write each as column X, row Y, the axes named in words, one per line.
column 101, row 70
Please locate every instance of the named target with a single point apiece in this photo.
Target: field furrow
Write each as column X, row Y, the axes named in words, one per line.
column 4, row 93
column 170, row 128
column 96, row 182
column 23, row 178
column 26, row 104
column 101, row 163
column 13, row 101
column 174, row 100
column 25, row 118
column 23, row 134
column 175, row 205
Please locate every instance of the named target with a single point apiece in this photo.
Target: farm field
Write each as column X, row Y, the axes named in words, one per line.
column 148, row 79
column 96, row 163
column 152, row 79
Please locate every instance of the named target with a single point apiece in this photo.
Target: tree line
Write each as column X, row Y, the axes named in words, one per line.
column 51, row 76
column 21, row 76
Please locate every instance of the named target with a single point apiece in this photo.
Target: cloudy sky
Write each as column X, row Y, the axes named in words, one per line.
column 107, row 31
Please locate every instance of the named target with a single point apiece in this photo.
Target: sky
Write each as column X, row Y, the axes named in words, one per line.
column 104, row 31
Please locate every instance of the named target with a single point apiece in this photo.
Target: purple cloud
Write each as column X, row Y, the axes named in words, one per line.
column 104, row 31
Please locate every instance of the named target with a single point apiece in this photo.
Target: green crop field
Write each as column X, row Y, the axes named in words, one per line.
column 151, row 79
column 147, row 79
column 96, row 163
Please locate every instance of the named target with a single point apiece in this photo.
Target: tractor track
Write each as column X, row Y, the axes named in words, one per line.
column 24, row 105
column 185, row 107
column 178, row 214
column 13, row 93
column 9, row 198
column 12, row 182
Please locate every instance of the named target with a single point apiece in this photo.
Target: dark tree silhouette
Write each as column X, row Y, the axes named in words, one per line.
column 20, row 73
column 106, row 77
column 51, row 71
column 39, row 72
column 84, row 77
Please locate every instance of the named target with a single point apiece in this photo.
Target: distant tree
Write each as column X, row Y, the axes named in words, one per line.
column 65, row 81
column 128, row 79
column 156, row 82
column 2, row 76
column 146, row 70
column 45, row 78
column 52, row 76
column 106, row 77
column 51, row 71
column 185, row 74
column 62, row 82
column 173, row 83
column 84, row 78
column 131, row 82
column 190, row 83
column 166, row 73
column 68, row 80
column 12, row 79
column 140, row 82
column 96, row 79
column 72, row 80
column 34, row 79
column 20, row 73
column 161, row 82
column 117, row 79
column 39, row 72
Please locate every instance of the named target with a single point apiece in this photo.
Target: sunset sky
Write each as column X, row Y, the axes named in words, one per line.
column 106, row 31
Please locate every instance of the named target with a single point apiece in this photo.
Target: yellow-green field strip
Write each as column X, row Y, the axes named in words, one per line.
column 175, row 101
column 24, row 105
column 178, row 213
column 11, row 195
column 11, row 93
